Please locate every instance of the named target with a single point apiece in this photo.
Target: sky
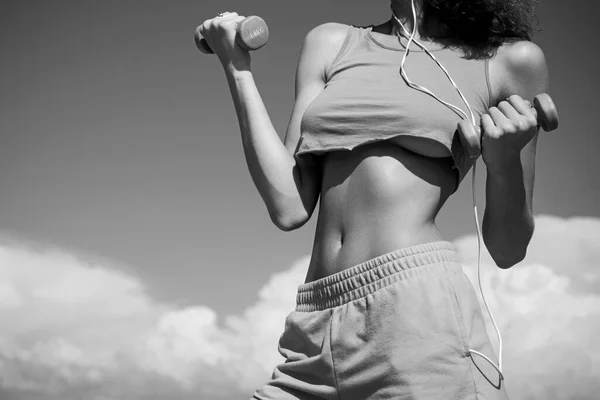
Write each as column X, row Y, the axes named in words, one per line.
column 137, row 260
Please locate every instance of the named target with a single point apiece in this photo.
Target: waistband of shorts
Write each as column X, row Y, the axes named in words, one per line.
column 365, row 278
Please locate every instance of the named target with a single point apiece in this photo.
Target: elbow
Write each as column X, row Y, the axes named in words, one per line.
column 508, row 248
column 291, row 213
column 288, row 222
column 507, row 255
column 508, row 262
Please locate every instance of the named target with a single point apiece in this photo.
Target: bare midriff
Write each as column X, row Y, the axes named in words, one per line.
column 378, row 198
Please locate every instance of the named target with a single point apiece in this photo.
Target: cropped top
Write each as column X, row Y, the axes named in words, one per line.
column 365, row 98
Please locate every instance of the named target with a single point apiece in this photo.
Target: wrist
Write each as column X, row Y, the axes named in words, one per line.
column 504, row 165
column 236, row 68
column 235, row 78
column 235, row 74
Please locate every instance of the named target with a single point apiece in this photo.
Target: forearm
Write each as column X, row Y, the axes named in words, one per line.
column 508, row 220
column 269, row 162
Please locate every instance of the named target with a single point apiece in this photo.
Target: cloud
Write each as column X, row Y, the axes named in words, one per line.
column 67, row 322
column 73, row 327
column 82, row 329
column 547, row 308
column 189, row 343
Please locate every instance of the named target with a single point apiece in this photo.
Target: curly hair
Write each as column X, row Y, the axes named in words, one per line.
column 478, row 27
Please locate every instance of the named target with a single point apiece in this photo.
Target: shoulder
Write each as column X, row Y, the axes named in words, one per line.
column 327, row 34
column 520, row 68
column 326, row 40
column 523, row 59
column 321, row 46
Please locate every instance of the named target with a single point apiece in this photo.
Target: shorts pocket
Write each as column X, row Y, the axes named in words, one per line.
column 453, row 300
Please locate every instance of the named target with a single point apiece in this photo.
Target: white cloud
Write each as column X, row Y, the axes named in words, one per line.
column 71, row 329
column 9, row 298
column 547, row 312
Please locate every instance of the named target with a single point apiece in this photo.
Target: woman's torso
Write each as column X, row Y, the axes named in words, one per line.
column 381, row 195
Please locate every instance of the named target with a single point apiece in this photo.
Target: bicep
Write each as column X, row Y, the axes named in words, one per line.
column 315, row 57
column 527, row 76
column 309, row 84
column 320, row 46
column 308, row 87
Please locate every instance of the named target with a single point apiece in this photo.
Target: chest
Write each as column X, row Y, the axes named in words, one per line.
column 371, row 97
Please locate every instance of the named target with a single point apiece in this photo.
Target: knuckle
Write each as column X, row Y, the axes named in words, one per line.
column 509, row 127
column 205, row 29
column 514, row 97
column 494, row 111
column 221, row 27
column 531, row 120
column 229, row 16
column 495, row 133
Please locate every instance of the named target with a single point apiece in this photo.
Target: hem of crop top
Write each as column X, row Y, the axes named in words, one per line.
column 319, row 151
column 336, row 147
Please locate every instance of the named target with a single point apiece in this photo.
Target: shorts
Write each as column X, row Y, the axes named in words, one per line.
column 398, row 326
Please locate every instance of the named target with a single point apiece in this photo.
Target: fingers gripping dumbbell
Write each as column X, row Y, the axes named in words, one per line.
column 252, row 34
column 547, row 117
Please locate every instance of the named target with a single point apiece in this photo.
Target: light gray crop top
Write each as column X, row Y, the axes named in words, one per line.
column 366, row 99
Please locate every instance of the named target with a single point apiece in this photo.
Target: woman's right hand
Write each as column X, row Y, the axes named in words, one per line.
column 220, row 34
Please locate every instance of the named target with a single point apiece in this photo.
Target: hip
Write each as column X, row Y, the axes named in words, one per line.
column 400, row 325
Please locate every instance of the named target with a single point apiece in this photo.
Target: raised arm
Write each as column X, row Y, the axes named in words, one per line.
column 508, row 220
column 320, row 47
column 289, row 190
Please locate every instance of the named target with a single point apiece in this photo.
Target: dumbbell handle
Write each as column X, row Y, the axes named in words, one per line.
column 252, row 34
column 547, row 117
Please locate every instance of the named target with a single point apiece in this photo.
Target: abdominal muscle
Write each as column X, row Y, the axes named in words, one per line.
column 377, row 198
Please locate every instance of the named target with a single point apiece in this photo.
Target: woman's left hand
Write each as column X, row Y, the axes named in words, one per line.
column 506, row 129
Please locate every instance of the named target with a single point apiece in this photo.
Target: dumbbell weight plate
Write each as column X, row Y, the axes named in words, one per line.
column 546, row 111
column 470, row 138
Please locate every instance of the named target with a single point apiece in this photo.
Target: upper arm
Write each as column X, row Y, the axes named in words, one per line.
column 321, row 46
column 319, row 49
column 523, row 66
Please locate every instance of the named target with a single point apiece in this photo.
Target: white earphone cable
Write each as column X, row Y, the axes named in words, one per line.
column 471, row 116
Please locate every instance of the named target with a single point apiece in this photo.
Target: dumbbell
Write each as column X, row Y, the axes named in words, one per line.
column 252, row 34
column 547, row 117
